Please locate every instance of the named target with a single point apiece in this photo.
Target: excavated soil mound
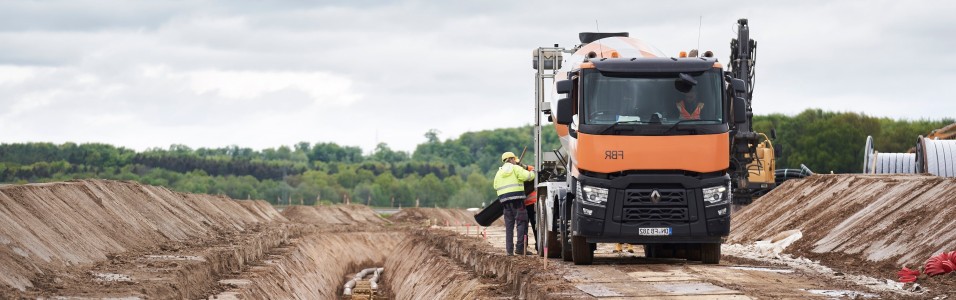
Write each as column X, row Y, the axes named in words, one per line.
column 866, row 223
column 333, row 215
column 441, row 215
column 47, row 228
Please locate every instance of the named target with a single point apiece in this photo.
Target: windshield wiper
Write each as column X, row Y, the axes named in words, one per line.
column 681, row 121
column 621, row 122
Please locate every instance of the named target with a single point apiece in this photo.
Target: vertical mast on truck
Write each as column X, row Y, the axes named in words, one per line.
column 547, row 61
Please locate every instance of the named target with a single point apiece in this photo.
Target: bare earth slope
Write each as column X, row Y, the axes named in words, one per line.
column 333, row 215
column 858, row 221
column 44, row 227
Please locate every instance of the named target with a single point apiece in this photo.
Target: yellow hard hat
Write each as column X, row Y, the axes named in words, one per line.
column 505, row 156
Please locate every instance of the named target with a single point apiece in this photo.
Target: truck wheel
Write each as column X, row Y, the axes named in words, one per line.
column 693, row 252
column 680, row 251
column 710, row 253
column 565, row 230
column 664, row 251
column 649, row 251
column 553, row 243
column 542, row 231
column 582, row 251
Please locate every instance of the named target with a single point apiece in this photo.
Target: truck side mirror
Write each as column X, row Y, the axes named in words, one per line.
column 740, row 110
column 563, row 86
column 564, row 111
column 738, row 85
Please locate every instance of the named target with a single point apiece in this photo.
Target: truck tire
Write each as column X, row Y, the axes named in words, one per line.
column 565, row 231
column 710, row 253
column 680, row 251
column 582, row 251
column 693, row 252
column 553, row 243
column 649, row 251
column 663, row 251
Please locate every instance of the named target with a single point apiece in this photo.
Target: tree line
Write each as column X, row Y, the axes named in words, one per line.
column 833, row 141
column 452, row 173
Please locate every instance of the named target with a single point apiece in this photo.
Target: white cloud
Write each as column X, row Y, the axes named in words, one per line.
column 322, row 88
column 263, row 74
column 11, row 75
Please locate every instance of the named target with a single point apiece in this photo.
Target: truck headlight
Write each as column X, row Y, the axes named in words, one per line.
column 716, row 195
column 594, row 195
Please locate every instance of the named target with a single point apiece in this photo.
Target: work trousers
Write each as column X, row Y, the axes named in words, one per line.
column 532, row 219
column 516, row 219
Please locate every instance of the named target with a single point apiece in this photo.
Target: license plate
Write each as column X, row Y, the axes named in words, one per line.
column 654, row 231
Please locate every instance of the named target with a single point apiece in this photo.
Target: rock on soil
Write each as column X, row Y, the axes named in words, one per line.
column 867, row 224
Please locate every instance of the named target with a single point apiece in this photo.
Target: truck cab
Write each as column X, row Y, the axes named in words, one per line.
column 649, row 152
column 646, row 143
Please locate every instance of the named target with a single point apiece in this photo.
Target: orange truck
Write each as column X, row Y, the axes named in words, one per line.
column 653, row 148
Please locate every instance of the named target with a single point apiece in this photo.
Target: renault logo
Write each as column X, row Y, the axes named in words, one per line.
column 655, row 196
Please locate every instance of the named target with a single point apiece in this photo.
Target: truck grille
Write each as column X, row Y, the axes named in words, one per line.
column 655, row 214
column 643, row 197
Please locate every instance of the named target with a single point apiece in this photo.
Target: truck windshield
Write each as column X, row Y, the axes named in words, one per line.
column 635, row 99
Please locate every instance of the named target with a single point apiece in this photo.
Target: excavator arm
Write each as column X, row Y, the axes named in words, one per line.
column 748, row 163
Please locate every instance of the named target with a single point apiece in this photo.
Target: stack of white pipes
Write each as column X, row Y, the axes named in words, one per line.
column 875, row 162
column 937, row 157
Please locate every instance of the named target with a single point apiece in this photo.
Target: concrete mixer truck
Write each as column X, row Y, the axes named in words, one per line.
column 653, row 147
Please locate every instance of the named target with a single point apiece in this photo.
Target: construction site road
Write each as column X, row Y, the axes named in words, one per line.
column 629, row 275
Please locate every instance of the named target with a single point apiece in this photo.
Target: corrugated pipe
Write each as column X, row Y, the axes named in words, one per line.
column 374, row 281
column 358, row 276
column 937, row 157
column 875, row 162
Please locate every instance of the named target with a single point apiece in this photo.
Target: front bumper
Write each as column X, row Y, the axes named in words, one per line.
column 678, row 205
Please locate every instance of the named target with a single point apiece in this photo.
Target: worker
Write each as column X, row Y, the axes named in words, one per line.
column 690, row 100
column 509, row 185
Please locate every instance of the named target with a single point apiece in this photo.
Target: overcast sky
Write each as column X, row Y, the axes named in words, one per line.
column 217, row 73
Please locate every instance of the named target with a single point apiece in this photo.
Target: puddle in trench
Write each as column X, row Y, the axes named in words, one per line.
column 764, row 269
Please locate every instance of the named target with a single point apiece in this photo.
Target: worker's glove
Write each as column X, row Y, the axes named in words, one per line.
column 530, row 168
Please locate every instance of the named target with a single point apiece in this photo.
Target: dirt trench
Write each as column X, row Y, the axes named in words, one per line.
column 113, row 239
column 96, row 239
